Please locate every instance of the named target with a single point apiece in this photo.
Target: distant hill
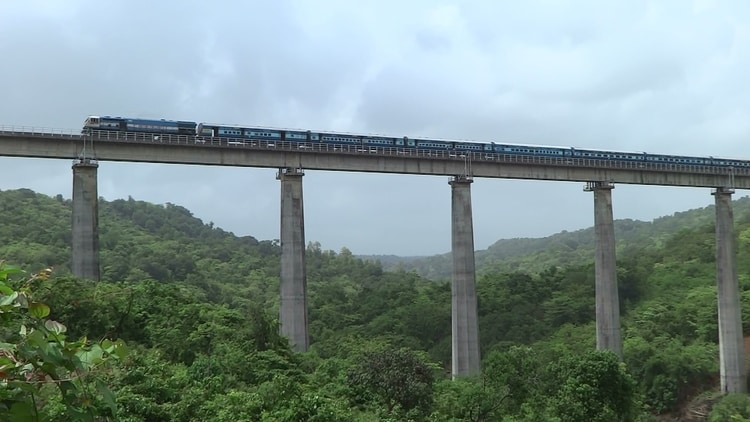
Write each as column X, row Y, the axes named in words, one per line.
column 564, row 248
column 138, row 238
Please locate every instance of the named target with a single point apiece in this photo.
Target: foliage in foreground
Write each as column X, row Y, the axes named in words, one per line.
column 36, row 358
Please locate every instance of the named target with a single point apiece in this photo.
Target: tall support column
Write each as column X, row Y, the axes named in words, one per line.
column 608, row 335
column 465, row 326
column 85, row 224
column 731, row 348
column 293, row 309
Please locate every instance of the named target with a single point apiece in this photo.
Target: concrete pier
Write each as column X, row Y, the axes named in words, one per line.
column 608, row 336
column 85, row 237
column 293, row 309
column 465, row 326
column 731, row 348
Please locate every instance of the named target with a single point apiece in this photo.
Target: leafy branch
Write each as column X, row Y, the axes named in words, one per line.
column 35, row 352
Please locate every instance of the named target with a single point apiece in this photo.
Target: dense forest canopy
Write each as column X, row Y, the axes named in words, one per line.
column 197, row 308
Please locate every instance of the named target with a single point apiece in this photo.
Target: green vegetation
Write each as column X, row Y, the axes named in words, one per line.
column 42, row 373
column 197, row 307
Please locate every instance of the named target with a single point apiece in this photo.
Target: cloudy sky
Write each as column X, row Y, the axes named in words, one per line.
column 657, row 76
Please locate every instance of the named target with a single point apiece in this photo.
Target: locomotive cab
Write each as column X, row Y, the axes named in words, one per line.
column 92, row 122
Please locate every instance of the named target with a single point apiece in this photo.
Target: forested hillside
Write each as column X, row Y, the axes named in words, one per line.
column 564, row 248
column 197, row 307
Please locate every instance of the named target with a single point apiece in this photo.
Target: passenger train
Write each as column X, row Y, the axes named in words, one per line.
column 240, row 134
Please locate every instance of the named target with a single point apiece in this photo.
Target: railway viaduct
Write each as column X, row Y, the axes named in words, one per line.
column 292, row 160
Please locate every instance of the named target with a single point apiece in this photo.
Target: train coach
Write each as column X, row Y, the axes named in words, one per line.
column 533, row 150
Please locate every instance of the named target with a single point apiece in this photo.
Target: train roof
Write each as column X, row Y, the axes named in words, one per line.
column 143, row 120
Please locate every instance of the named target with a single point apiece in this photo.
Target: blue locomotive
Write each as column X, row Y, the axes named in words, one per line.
column 237, row 134
column 108, row 123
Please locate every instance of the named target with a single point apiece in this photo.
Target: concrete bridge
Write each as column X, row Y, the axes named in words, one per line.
column 292, row 159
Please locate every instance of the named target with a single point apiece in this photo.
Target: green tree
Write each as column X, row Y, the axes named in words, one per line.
column 515, row 375
column 397, row 379
column 36, row 354
column 470, row 399
column 594, row 387
column 669, row 370
column 731, row 408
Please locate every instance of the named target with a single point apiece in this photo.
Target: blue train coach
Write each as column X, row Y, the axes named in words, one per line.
column 235, row 132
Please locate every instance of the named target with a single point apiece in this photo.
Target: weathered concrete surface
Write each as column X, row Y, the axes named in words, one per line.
column 608, row 335
column 465, row 326
column 293, row 309
column 731, row 348
column 263, row 155
column 85, row 235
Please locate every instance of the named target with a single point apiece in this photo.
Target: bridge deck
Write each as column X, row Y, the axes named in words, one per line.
column 181, row 149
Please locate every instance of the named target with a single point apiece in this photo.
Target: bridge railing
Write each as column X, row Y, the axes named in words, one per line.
column 39, row 131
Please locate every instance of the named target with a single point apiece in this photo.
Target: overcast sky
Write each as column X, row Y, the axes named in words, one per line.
column 657, row 76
